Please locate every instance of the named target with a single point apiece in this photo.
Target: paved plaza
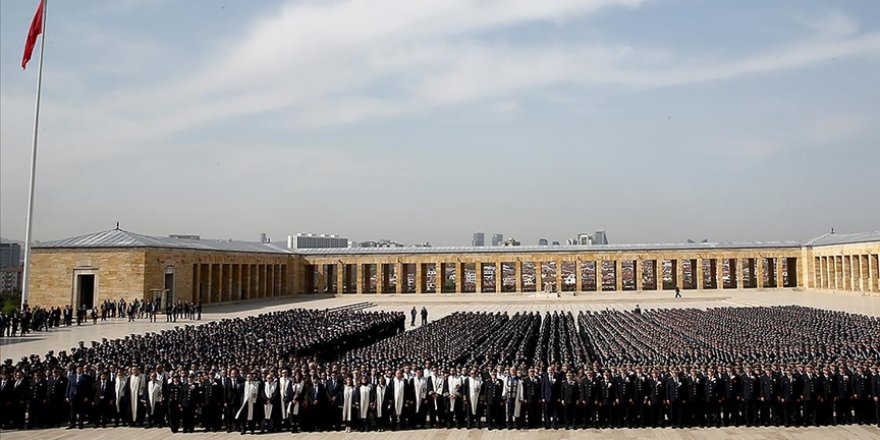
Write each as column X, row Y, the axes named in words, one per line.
column 442, row 305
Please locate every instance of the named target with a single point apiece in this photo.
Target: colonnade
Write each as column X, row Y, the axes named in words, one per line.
column 853, row 272
column 224, row 282
column 539, row 272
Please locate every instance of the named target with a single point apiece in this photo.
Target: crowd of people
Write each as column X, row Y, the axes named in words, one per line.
column 30, row 319
column 309, row 370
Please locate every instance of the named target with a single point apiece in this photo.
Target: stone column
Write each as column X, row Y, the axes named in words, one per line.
column 739, row 273
column 698, row 272
column 578, row 276
column 658, row 274
column 499, row 276
column 478, row 276
column 780, row 272
column 760, row 279
column 401, row 276
column 600, row 275
column 359, row 278
column 872, row 274
column 679, row 274
column 517, row 270
column 853, row 276
column 420, row 278
column 558, row 279
column 439, row 277
column 539, row 276
column 618, row 276
column 380, row 278
column 638, row 272
column 459, row 277
column 340, row 278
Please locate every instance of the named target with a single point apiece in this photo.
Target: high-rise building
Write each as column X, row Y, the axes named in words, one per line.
column 316, row 241
column 599, row 237
column 497, row 239
column 10, row 254
column 542, row 242
column 479, row 239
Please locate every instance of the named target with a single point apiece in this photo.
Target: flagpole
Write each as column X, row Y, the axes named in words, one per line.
column 30, row 212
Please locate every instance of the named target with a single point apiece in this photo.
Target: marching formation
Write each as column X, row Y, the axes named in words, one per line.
column 309, row 370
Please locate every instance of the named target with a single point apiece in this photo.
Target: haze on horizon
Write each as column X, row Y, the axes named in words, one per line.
column 419, row 121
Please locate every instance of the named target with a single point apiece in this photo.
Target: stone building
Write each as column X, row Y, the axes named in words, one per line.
column 120, row 264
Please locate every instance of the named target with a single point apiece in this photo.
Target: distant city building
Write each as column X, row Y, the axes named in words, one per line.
column 264, row 238
column 497, row 239
column 510, row 242
column 186, row 236
column 542, row 242
column 10, row 278
column 599, row 237
column 382, row 243
column 479, row 239
column 10, row 255
column 555, row 243
column 584, row 239
column 316, row 241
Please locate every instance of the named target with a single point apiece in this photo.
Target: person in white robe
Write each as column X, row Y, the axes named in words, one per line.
column 137, row 390
column 381, row 404
column 420, row 394
column 270, row 403
column 122, row 396
column 350, row 403
column 398, row 385
column 474, row 388
column 366, row 403
column 514, row 397
column 285, row 385
column 247, row 413
column 154, row 400
column 455, row 408
column 296, row 404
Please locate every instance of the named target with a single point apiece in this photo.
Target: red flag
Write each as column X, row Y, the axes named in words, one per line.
column 35, row 30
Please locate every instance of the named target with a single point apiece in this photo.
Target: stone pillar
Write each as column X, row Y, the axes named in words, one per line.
column 719, row 273
column 780, row 272
column 499, row 276
column 459, row 277
column 558, row 275
column 380, row 278
column 359, row 278
column 420, row 278
column 872, row 274
column 478, row 277
column 639, row 273
column 760, row 278
column 401, row 276
column 618, row 276
column 517, row 270
column 578, row 276
column 539, row 276
column 853, row 276
column 600, row 275
column 658, row 274
column 698, row 272
column 341, row 279
column 679, row 273
column 739, row 273
column 439, row 277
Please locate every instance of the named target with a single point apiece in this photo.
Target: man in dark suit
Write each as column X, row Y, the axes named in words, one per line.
column 532, row 390
column 104, row 401
column 56, row 387
column 174, row 407
column 550, row 388
column 492, row 394
column 232, row 392
column 333, row 387
column 570, row 396
column 788, row 397
column 81, row 398
column 188, row 402
column 38, row 408
column 20, row 396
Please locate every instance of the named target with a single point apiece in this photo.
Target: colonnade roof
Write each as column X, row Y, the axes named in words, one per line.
column 119, row 238
column 551, row 249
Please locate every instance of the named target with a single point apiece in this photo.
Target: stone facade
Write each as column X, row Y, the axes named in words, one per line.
column 66, row 274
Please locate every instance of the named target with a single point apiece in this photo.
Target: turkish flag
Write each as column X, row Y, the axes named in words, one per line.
column 35, row 30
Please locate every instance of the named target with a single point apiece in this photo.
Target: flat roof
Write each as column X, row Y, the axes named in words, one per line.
column 119, row 238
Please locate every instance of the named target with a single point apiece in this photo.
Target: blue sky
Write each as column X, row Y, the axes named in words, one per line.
column 426, row 121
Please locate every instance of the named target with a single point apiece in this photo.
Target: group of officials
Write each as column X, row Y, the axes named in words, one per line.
column 305, row 370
